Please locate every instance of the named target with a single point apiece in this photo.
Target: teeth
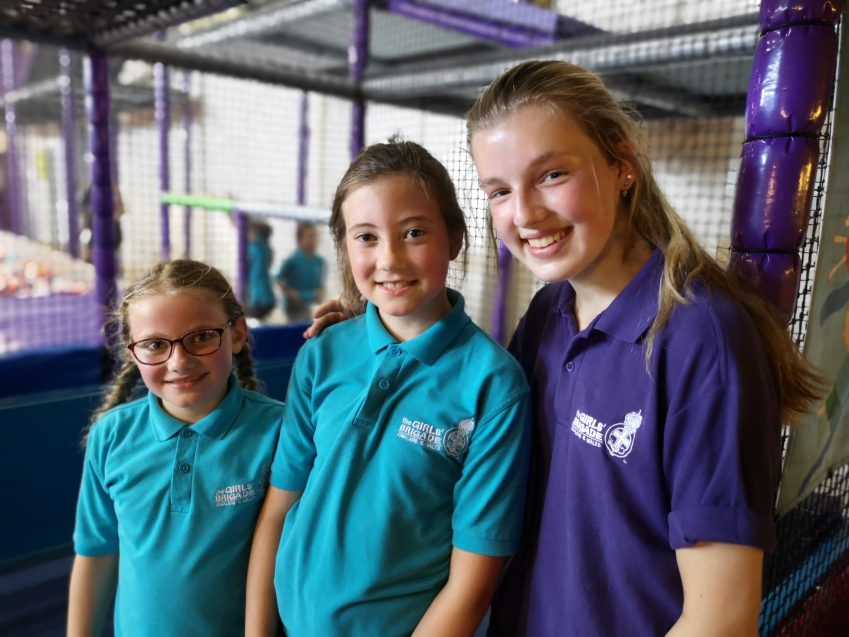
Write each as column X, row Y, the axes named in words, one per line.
column 542, row 242
column 395, row 285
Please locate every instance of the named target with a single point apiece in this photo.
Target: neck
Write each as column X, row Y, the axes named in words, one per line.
column 595, row 292
column 409, row 326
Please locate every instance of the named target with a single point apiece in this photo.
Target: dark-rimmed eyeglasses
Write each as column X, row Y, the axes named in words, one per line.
column 155, row 351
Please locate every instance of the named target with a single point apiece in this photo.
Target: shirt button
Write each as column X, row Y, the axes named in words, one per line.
column 187, row 433
column 396, row 351
column 383, row 384
column 184, row 468
column 570, row 366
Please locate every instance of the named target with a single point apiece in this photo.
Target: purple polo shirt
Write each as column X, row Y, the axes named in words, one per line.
column 632, row 462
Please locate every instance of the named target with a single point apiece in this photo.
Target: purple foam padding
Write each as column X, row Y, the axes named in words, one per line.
column 102, row 202
column 791, row 81
column 14, row 193
column 187, row 161
column 69, row 142
column 162, row 114
column 241, row 254
column 774, row 187
column 358, row 52
column 779, row 13
column 774, row 275
column 303, row 149
column 498, row 329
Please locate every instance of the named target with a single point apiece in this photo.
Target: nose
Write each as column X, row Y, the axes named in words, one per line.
column 528, row 207
column 180, row 358
column 390, row 254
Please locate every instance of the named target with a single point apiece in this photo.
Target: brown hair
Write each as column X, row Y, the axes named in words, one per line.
column 164, row 278
column 565, row 88
column 395, row 157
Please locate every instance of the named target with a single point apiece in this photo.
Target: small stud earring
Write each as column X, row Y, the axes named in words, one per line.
column 628, row 179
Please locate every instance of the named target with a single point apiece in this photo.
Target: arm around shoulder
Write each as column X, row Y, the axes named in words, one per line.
column 722, row 590
column 93, row 582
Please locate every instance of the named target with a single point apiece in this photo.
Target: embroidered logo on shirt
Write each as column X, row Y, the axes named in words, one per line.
column 421, row 433
column 238, row 494
column 456, row 440
column 619, row 439
column 588, row 428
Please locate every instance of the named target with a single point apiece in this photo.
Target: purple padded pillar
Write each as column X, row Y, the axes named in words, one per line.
column 303, row 149
column 102, row 201
column 786, row 106
column 499, row 307
column 187, row 162
column 15, row 216
column 162, row 114
column 357, row 60
column 69, row 140
column 241, row 254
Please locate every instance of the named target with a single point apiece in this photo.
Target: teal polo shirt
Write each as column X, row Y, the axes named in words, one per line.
column 402, row 451
column 178, row 504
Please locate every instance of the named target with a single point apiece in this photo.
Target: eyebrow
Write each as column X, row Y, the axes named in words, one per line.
column 536, row 161
column 401, row 222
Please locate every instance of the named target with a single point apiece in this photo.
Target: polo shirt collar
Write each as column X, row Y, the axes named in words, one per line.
column 428, row 346
column 632, row 312
column 214, row 425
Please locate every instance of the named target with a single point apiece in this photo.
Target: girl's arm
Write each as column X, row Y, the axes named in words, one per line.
column 722, row 590
column 93, row 582
column 461, row 604
column 261, row 602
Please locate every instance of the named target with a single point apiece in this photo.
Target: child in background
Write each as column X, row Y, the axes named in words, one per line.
column 401, row 467
column 172, row 483
column 661, row 383
column 259, row 298
column 301, row 276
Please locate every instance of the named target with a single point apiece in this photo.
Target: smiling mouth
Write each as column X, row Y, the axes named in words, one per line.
column 186, row 381
column 394, row 286
column 544, row 242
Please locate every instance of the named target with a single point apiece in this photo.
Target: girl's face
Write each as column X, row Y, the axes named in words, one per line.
column 189, row 387
column 399, row 250
column 553, row 196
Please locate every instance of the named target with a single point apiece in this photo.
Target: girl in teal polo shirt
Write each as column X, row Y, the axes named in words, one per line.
column 401, row 468
column 172, row 483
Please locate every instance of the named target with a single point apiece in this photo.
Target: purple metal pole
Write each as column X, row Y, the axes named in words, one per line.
column 303, row 149
column 499, row 307
column 69, row 139
column 187, row 162
column 15, row 214
column 357, row 60
column 162, row 110
column 102, row 199
column 241, row 254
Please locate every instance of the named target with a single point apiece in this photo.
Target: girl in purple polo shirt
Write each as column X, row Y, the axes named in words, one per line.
column 660, row 384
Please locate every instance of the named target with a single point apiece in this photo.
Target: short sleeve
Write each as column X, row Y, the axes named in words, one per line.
column 489, row 498
column 722, row 454
column 96, row 528
column 295, row 455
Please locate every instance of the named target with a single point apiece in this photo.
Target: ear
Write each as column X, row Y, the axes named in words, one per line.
column 626, row 175
column 239, row 334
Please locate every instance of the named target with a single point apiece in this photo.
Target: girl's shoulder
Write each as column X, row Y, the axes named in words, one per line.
column 118, row 420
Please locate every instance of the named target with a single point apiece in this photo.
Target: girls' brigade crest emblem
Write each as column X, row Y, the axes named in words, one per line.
column 456, row 440
column 619, row 438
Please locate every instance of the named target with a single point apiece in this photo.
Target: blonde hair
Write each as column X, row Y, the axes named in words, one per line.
column 565, row 88
column 395, row 157
column 169, row 277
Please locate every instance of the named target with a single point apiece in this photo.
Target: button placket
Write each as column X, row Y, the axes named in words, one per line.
column 384, row 379
column 183, row 474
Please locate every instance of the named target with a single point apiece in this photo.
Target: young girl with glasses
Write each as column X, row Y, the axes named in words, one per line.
column 401, row 467
column 172, row 482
